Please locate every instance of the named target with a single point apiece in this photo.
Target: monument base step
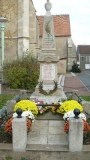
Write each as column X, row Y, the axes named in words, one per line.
column 49, row 99
column 39, row 147
column 50, row 116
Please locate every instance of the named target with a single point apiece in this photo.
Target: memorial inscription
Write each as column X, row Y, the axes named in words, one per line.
column 48, row 72
column 48, row 42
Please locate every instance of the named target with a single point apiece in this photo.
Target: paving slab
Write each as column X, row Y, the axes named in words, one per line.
column 37, row 139
column 39, row 127
column 47, row 132
column 56, row 130
column 55, row 123
column 57, row 140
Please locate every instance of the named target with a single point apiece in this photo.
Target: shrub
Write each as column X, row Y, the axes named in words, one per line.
column 22, row 73
column 75, row 68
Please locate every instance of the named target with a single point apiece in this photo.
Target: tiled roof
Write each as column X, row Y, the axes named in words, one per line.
column 61, row 25
column 83, row 49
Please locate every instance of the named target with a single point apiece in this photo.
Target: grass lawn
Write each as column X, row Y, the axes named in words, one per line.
column 86, row 98
column 4, row 98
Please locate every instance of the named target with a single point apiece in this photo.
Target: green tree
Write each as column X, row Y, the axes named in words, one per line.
column 75, row 68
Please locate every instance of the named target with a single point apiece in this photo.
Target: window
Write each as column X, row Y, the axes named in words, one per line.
column 82, row 59
column 87, row 58
column 87, row 66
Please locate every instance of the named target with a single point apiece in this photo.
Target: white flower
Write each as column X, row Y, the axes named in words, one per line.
column 68, row 115
column 60, row 103
column 26, row 114
column 71, row 114
column 82, row 115
column 15, row 114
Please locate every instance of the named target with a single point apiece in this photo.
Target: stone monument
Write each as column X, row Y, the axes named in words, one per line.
column 48, row 88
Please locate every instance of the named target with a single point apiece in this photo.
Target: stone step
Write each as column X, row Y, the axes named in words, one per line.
column 50, row 116
column 40, row 147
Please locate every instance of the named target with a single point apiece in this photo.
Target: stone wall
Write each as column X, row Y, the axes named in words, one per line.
column 20, row 28
column 61, row 46
column 71, row 54
column 32, row 29
column 22, row 33
column 62, row 66
column 10, row 11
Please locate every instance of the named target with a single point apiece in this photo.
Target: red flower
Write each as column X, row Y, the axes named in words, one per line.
column 8, row 125
column 85, row 129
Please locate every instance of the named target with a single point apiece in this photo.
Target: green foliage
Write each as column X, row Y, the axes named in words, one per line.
column 23, row 72
column 4, row 98
column 8, row 158
column 22, row 158
column 75, row 68
column 11, row 158
column 86, row 98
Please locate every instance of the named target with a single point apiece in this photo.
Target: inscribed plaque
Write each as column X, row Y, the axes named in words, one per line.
column 48, row 72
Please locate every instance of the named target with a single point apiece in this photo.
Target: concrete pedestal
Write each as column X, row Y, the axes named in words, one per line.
column 75, row 134
column 23, row 95
column 10, row 105
column 19, row 134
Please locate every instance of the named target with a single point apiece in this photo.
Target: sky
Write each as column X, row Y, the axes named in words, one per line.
column 79, row 12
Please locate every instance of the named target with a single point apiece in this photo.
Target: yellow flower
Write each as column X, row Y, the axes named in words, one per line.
column 68, row 106
column 27, row 105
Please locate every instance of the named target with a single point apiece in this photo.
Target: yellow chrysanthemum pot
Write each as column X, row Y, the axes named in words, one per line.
column 68, row 106
column 27, row 105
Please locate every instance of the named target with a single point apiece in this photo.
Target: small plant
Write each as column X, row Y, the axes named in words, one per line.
column 8, row 158
column 75, row 68
column 2, row 126
column 22, row 158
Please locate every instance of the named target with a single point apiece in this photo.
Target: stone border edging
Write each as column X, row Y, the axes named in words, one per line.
column 38, row 147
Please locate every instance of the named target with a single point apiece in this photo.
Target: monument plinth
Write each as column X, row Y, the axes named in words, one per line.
column 49, row 85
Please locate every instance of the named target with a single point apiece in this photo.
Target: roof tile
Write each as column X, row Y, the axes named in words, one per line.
column 84, row 49
column 61, row 25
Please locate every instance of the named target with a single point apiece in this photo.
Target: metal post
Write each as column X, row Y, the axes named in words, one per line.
column 2, row 45
column 2, row 26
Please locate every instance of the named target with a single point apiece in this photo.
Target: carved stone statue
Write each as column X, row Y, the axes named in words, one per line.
column 48, row 6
